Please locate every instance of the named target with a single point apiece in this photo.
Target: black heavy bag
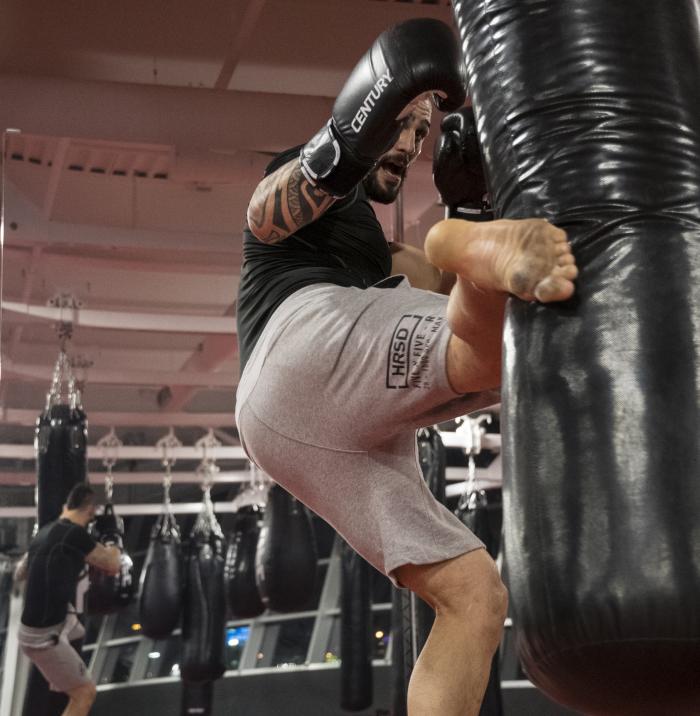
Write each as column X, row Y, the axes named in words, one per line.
column 197, row 699
column 109, row 593
column 204, row 606
column 589, row 116
column 401, row 650
column 432, row 458
column 285, row 561
column 242, row 594
column 160, row 600
column 356, row 685
column 61, row 457
column 482, row 512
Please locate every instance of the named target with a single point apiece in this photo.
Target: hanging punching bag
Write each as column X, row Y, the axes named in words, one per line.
column 589, row 116
column 242, row 594
column 356, row 683
column 204, row 605
column 197, row 699
column 160, row 600
column 60, row 443
column 285, row 561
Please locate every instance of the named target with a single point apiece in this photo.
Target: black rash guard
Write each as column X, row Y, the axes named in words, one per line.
column 56, row 559
column 345, row 246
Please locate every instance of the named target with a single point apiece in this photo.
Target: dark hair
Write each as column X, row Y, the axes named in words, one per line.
column 80, row 496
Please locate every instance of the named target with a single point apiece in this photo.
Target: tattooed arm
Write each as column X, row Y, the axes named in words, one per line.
column 284, row 202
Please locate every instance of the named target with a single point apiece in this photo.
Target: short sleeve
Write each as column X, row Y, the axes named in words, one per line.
column 79, row 539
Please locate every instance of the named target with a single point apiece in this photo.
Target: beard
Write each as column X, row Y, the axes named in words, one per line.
column 378, row 188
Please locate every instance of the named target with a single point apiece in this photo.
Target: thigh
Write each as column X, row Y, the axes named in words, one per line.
column 61, row 666
column 376, row 500
column 348, row 368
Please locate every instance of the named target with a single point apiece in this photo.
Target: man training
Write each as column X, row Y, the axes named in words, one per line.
column 348, row 345
column 51, row 569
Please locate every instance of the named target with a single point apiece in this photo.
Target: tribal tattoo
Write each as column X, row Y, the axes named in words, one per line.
column 283, row 203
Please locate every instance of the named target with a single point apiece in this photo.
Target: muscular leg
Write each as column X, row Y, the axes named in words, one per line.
column 81, row 700
column 470, row 605
column 530, row 259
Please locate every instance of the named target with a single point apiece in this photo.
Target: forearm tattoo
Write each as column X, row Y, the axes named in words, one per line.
column 283, row 203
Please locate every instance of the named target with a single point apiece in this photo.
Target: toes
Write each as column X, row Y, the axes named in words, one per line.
column 562, row 248
column 570, row 271
column 559, row 235
column 553, row 288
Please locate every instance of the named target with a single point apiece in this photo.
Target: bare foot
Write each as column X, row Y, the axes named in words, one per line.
column 529, row 258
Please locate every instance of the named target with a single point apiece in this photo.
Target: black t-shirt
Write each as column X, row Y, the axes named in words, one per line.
column 56, row 559
column 345, row 246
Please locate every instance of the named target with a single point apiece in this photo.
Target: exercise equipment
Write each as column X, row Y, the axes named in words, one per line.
column 197, row 699
column 204, row 606
column 589, row 116
column 108, row 593
column 356, row 680
column 242, row 594
column 60, row 443
column 286, row 555
column 160, row 598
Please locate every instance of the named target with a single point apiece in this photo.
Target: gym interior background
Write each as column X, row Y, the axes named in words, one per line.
column 142, row 129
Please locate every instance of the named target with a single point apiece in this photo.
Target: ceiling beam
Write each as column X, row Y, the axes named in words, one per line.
column 59, row 159
column 126, row 321
column 186, row 117
column 102, row 262
column 27, row 227
column 245, row 26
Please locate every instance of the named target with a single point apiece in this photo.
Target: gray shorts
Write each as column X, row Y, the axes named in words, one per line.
column 50, row 650
column 329, row 404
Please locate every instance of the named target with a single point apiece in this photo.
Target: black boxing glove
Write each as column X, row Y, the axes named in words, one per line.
column 413, row 57
column 458, row 171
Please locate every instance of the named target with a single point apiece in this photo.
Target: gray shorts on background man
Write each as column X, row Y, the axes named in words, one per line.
column 328, row 405
column 50, row 650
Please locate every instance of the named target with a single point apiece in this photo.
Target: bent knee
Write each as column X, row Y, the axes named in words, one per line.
column 468, row 586
column 84, row 694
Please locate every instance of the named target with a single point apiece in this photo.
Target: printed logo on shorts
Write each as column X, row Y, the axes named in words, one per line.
column 408, row 360
column 399, row 350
